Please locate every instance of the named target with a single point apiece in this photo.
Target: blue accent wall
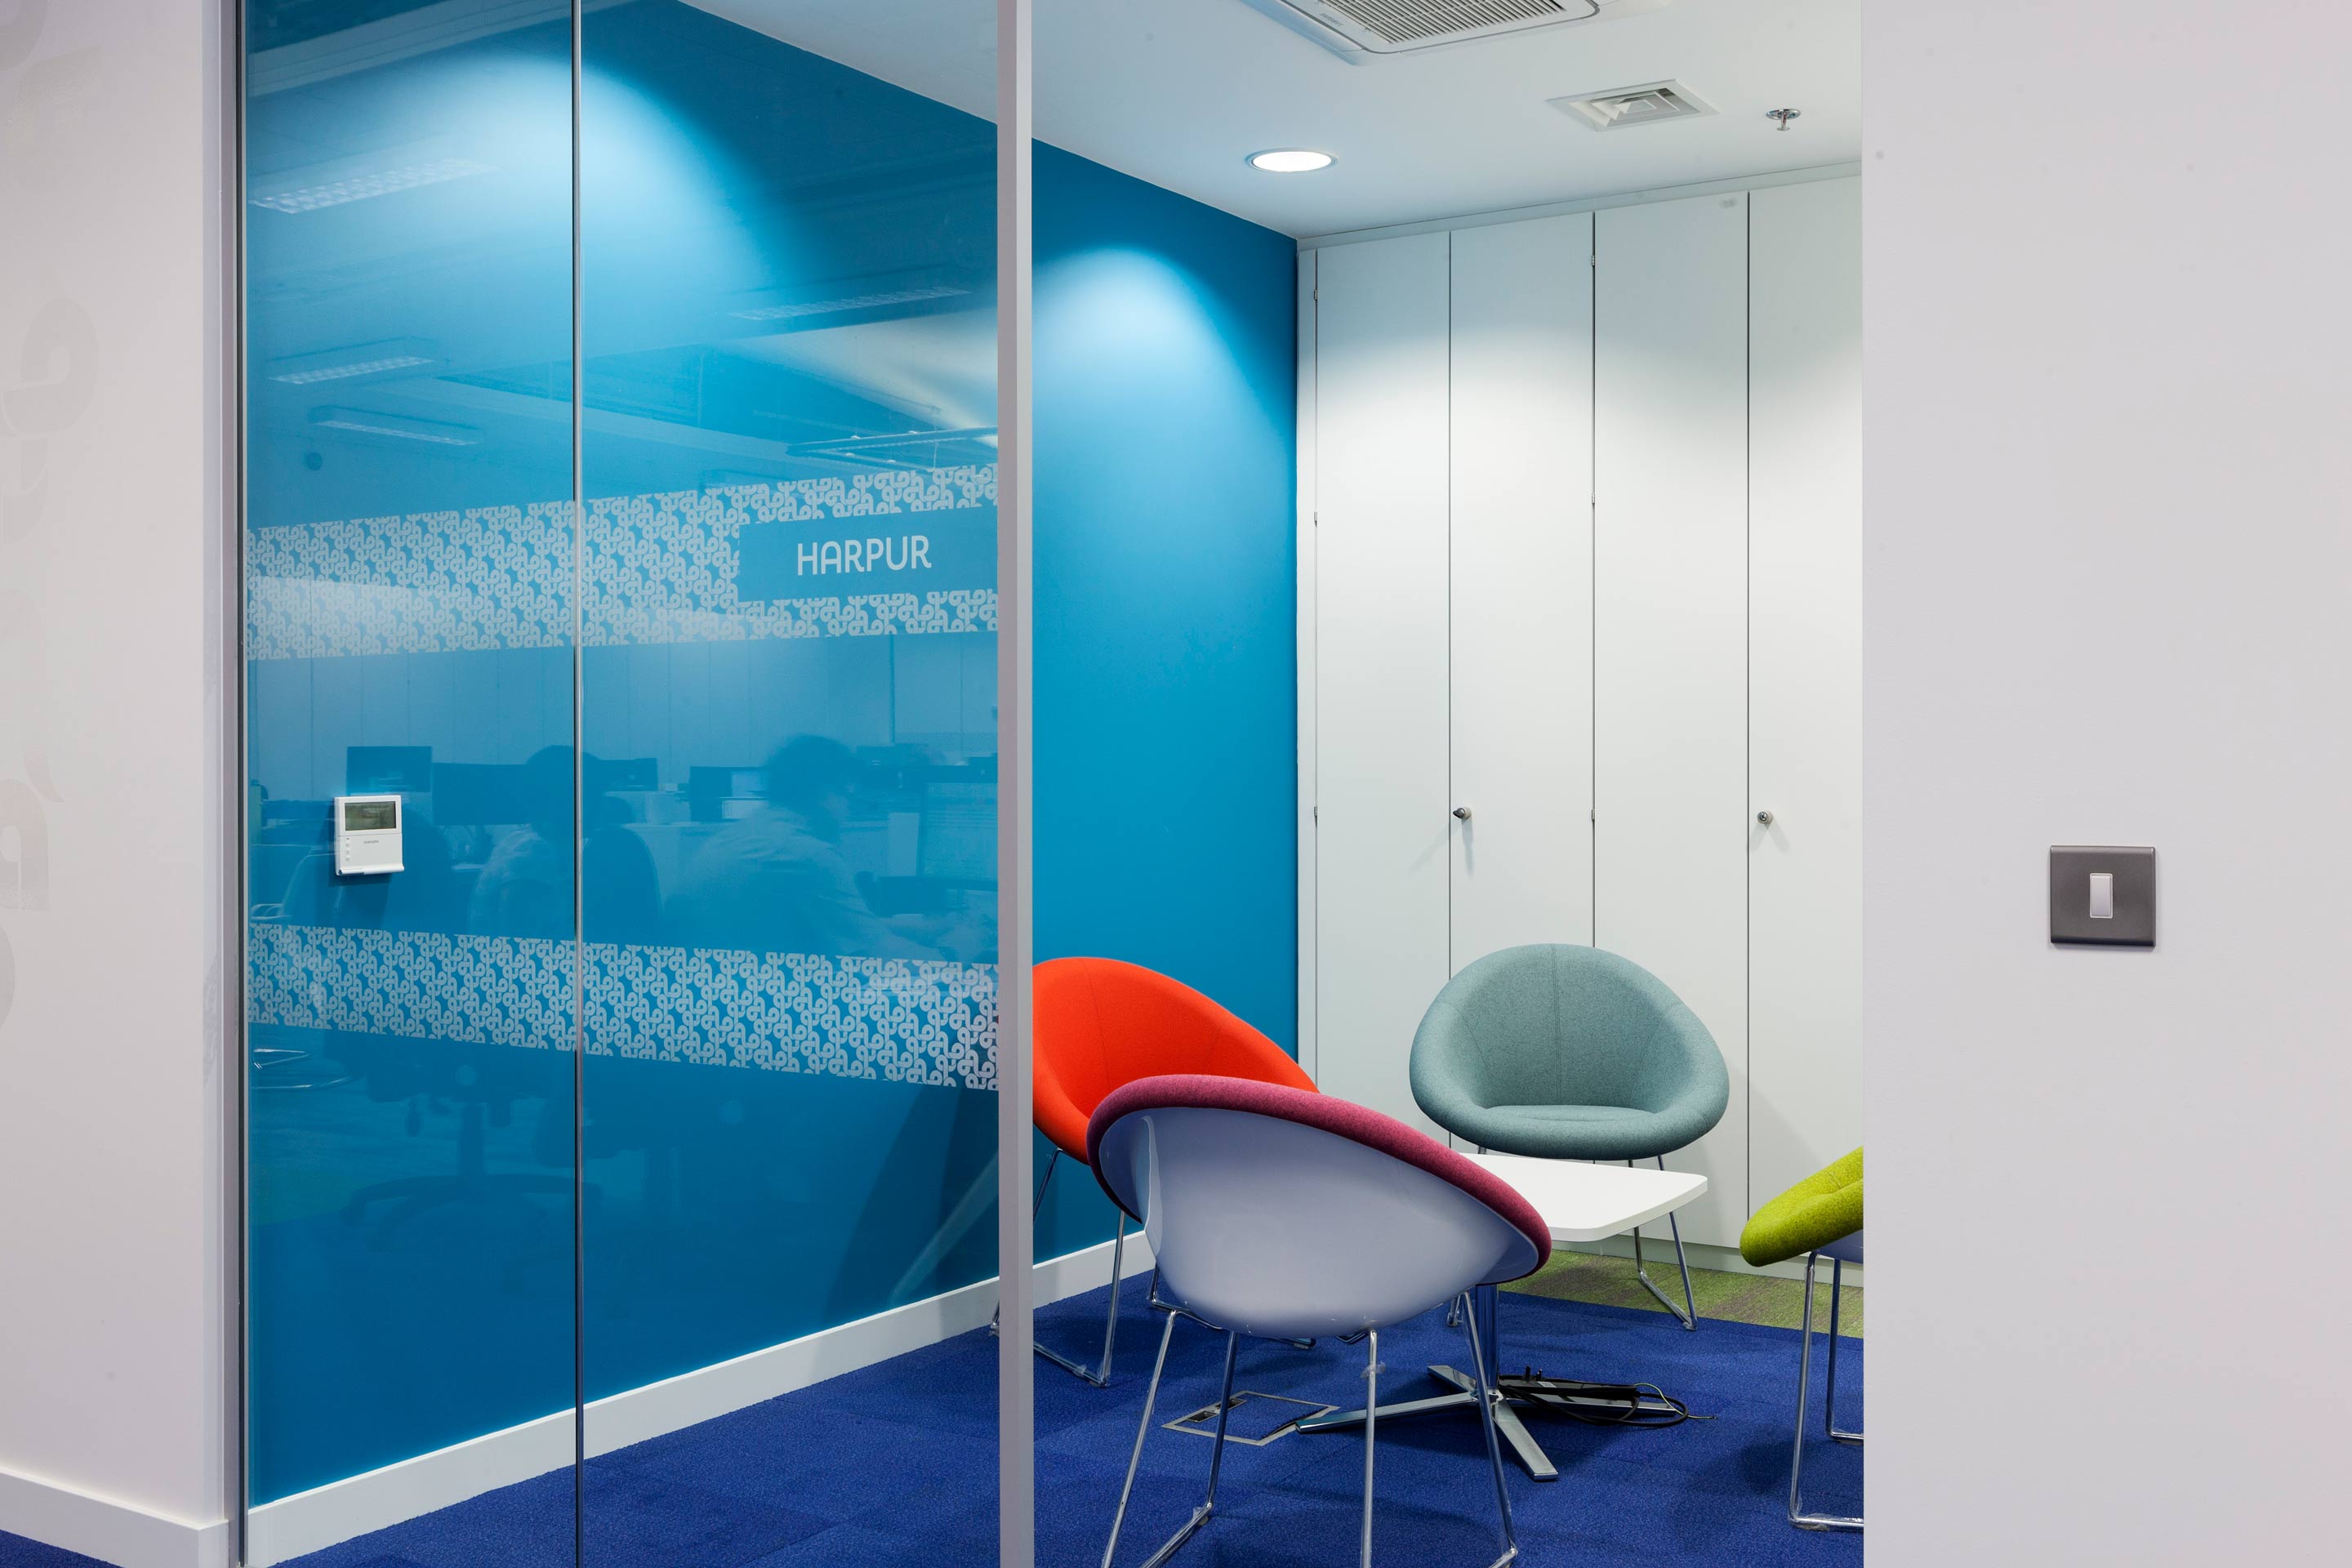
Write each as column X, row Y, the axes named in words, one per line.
column 1166, row 677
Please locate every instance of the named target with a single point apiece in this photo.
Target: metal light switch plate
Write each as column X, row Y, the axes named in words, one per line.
column 2102, row 896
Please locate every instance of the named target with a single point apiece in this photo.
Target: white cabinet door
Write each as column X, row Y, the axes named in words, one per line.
column 1805, row 680
column 1522, row 584
column 1670, row 551
column 1380, row 735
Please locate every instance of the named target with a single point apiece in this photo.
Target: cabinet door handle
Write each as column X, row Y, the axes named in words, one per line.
column 1462, row 812
column 1763, row 819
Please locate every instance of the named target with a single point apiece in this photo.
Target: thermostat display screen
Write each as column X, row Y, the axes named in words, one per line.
column 367, row 834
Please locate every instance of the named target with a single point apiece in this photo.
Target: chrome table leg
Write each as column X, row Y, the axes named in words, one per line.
column 1489, row 1404
column 1687, row 1313
column 1371, row 1419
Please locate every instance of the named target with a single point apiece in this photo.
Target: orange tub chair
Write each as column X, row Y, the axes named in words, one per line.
column 1099, row 1024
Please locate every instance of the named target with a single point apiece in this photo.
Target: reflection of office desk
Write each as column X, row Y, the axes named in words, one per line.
column 484, row 1083
column 957, row 838
column 674, row 846
column 881, row 846
column 1579, row 1203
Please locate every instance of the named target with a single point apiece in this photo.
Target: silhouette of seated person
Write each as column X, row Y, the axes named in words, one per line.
column 778, row 881
column 425, row 895
column 525, row 886
column 524, row 890
column 619, row 886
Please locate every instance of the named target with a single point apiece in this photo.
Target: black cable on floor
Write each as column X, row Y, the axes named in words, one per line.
column 1598, row 1404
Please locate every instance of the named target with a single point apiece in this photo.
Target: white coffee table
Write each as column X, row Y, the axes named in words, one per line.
column 1586, row 1202
column 1579, row 1202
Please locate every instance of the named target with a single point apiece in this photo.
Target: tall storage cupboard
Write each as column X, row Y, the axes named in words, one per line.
column 1670, row 631
column 1581, row 639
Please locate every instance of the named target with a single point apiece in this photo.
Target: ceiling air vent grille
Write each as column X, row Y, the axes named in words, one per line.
column 1362, row 29
column 1620, row 106
column 1419, row 21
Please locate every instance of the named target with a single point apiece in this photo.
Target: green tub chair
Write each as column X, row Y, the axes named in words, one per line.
column 1818, row 1218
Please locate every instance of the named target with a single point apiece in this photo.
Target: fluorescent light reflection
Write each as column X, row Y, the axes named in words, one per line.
column 851, row 302
column 362, row 422
column 375, row 183
column 356, row 367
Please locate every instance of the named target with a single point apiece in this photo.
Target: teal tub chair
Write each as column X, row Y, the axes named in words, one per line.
column 1571, row 1053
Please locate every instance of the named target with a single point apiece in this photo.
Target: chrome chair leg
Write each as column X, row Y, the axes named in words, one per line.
column 1216, row 1454
column 1100, row 1376
column 1487, row 1402
column 1829, row 1387
column 1371, row 1419
column 1037, row 1207
column 1152, row 1298
column 1687, row 1313
column 1224, row 1409
column 1151, row 1394
column 1797, row 1514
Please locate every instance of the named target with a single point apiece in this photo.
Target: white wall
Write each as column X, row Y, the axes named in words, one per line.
column 110, row 1049
column 2110, row 600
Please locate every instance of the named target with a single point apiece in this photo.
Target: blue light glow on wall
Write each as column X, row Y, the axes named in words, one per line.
column 1166, row 682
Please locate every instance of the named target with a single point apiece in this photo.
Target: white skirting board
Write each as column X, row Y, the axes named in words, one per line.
column 108, row 1529
column 308, row 1522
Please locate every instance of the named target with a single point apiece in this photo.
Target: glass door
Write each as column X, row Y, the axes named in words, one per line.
column 624, row 775
column 408, row 640
column 789, row 726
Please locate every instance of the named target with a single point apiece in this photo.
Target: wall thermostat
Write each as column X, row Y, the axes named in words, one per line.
column 367, row 834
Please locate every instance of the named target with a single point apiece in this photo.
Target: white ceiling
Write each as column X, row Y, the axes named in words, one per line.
column 1179, row 92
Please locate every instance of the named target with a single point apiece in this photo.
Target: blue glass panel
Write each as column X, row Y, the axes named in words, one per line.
column 789, row 712
column 409, row 610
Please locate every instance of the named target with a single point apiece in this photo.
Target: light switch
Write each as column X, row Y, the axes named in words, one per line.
column 2102, row 896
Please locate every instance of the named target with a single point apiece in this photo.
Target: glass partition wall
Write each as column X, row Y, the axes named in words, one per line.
column 621, row 1167
column 409, row 632
column 789, row 732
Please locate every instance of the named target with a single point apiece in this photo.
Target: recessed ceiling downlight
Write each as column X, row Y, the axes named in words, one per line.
column 1290, row 161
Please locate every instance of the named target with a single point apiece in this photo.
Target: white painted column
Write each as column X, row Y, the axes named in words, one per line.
column 2106, row 330
column 115, row 1049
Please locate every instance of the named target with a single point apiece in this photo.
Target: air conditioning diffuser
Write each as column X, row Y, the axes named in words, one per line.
column 1360, row 31
column 1644, row 105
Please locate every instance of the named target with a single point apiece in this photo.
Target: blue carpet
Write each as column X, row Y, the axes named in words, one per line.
column 15, row 1552
column 896, row 1464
